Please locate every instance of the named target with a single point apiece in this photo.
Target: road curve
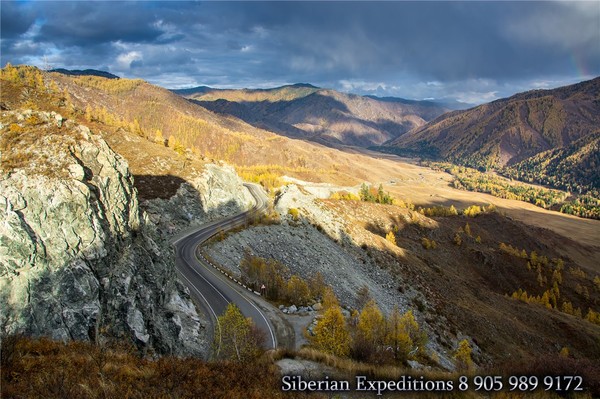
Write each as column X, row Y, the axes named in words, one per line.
column 213, row 290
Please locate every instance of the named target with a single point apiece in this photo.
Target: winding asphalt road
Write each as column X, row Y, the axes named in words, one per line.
column 212, row 289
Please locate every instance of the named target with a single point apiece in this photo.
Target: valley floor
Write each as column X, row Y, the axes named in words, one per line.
column 407, row 180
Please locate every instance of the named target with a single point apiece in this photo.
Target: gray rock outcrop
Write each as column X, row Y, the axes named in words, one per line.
column 78, row 259
column 216, row 192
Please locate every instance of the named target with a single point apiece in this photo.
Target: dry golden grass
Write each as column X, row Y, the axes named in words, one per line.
column 41, row 368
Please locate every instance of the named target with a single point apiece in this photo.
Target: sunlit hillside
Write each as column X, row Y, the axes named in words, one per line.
column 322, row 115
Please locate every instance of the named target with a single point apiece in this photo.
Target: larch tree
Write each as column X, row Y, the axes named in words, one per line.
column 298, row 292
column 331, row 333
column 369, row 333
column 316, row 283
column 329, row 299
column 397, row 338
column 404, row 335
column 371, row 325
column 238, row 339
column 391, row 237
column 462, row 356
column 363, row 296
column 158, row 137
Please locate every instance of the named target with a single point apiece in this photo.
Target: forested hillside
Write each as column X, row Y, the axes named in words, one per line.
column 508, row 131
column 547, row 137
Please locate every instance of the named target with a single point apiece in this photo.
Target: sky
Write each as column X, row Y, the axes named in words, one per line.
column 471, row 52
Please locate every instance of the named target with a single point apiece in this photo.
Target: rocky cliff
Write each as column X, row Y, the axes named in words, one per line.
column 78, row 259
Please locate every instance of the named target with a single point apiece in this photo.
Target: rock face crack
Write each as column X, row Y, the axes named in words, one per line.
column 37, row 243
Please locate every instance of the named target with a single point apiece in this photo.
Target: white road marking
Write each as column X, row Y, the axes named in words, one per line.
column 217, row 225
column 207, row 304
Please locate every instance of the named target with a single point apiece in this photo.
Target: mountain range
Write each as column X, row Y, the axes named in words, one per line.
column 323, row 115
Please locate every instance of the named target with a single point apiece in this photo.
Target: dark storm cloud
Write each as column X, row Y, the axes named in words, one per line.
column 14, row 20
column 443, row 40
column 474, row 51
column 91, row 23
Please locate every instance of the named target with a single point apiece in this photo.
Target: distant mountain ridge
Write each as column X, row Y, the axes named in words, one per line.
column 85, row 72
column 328, row 116
column 510, row 133
column 281, row 93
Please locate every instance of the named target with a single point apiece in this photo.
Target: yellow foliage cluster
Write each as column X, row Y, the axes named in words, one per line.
column 15, row 128
column 294, row 213
column 297, row 291
column 257, row 271
column 329, row 298
column 269, row 176
column 473, row 211
column 551, row 296
column 547, row 299
column 593, row 317
column 114, row 86
column 331, row 333
column 377, row 336
column 513, row 251
column 404, row 204
column 439, row 211
column 390, row 237
column 539, row 263
column 344, row 195
column 268, row 180
column 369, row 324
column 467, row 230
column 370, row 336
column 428, row 243
column 403, row 335
column 567, row 307
column 577, row 272
column 23, row 74
column 474, row 180
column 457, row 239
column 176, row 145
column 462, row 356
column 237, row 338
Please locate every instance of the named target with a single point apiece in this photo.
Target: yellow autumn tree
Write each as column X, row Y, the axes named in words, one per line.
column 158, row 137
column 457, row 239
column 404, row 336
column 468, row 229
column 329, row 299
column 297, row 291
column 371, row 326
column 331, row 333
column 137, row 128
column 316, row 283
column 176, row 145
column 462, row 356
column 370, row 332
column 239, row 339
column 88, row 113
column 391, row 237
column 397, row 338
